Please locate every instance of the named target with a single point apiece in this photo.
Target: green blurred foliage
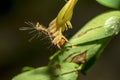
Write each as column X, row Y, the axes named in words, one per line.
column 110, row 3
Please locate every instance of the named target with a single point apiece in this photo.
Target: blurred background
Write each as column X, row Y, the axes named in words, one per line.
column 16, row 52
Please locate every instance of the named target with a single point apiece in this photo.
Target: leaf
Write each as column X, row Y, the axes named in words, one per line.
column 63, row 71
column 110, row 3
column 90, row 40
column 36, row 74
column 27, row 68
column 96, row 28
column 95, row 36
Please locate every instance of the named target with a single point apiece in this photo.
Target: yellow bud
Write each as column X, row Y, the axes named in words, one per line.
column 65, row 13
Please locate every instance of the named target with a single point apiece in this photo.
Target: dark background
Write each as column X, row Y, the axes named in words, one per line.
column 16, row 52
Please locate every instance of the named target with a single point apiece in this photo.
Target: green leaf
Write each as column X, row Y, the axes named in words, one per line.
column 63, row 71
column 95, row 35
column 36, row 74
column 89, row 41
column 110, row 3
column 98, row 28
column 27, row 68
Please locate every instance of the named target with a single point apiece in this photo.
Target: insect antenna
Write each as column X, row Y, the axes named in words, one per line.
column 31, row 32
column 30, row 24
column 25, row 28
column 33, row 37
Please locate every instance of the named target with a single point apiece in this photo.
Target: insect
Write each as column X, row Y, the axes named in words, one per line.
column 58, row 38
column 39, row 31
